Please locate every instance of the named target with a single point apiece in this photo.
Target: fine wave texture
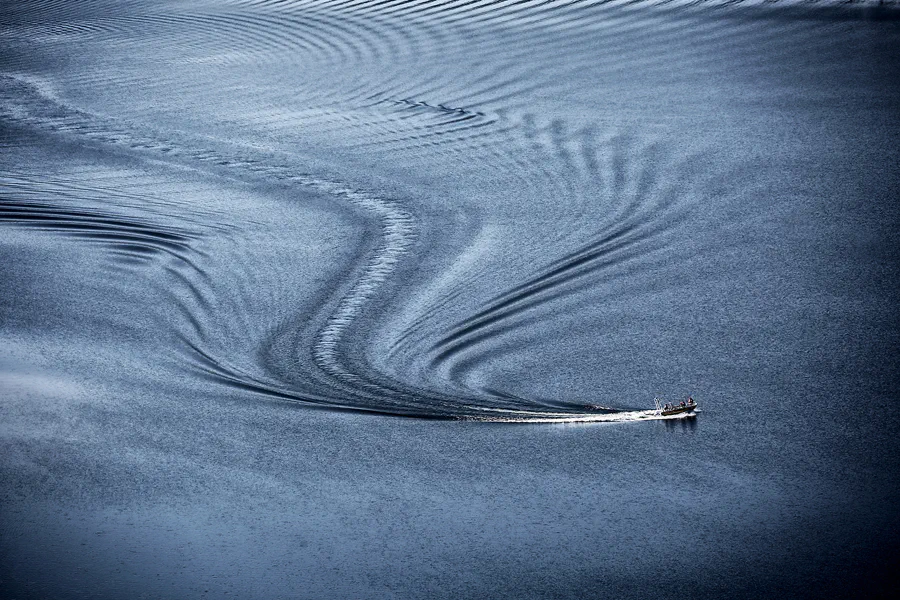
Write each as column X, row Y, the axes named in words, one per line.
column 342, row 299
column 530, row 211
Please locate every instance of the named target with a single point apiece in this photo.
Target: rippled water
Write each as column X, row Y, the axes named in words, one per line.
column 239, row 238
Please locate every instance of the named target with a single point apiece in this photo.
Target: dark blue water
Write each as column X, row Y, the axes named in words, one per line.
column 372, row 299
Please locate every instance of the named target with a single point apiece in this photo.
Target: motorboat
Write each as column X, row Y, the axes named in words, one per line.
column 670, row 408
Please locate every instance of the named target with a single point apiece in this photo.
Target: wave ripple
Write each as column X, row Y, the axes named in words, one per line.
column 510, row 178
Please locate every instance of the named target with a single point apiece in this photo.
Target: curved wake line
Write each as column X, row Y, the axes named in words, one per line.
column 398, row 231
column 398, row 234
column 346, row 389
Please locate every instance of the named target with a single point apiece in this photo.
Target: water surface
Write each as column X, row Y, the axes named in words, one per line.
column 276, row 275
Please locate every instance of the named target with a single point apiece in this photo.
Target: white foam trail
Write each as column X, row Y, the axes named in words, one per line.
column 510, row 416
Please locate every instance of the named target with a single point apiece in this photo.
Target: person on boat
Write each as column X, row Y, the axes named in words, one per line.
column 682, row 403
column 690, row 400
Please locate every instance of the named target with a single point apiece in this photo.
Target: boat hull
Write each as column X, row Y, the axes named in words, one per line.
column 678, row 410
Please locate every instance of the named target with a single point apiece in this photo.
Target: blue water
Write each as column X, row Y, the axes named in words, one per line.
column 372, row 299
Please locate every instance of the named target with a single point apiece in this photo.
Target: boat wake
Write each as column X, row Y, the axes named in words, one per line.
column 554, row 212
column 618, row 416
column 335, row 382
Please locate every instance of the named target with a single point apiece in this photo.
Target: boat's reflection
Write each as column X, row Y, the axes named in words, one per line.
column 683, row 424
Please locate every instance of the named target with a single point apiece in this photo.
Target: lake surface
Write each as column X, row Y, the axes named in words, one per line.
column 361, row 299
